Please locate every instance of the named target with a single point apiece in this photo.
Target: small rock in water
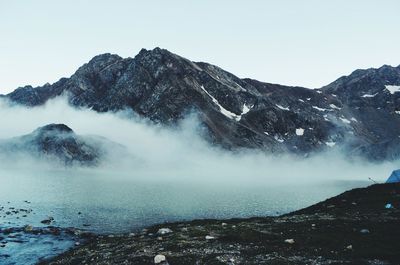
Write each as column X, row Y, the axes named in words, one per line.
column 47, row 221
column 28, row 228
column 289, row 241
column 163, row 231
column 160, row 259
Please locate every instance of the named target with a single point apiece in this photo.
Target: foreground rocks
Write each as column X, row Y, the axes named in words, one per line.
column 352, row 228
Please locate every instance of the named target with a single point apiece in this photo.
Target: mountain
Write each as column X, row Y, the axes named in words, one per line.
column 358, row 113
column 53, row 142
column 371, row 97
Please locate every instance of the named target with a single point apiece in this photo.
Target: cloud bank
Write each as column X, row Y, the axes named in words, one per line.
column 157, row 153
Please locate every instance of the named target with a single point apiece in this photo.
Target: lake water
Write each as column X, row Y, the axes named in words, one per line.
column 107, row 204
column 112, row 205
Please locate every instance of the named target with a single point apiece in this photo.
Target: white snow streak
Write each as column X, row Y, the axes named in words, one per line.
column 318, row 108
column 282, row 108
column 369, row 95
column 333, row 106
column 226, row 112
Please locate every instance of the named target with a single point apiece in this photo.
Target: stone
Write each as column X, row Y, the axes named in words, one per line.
column 389, row 206
column 163, row 231
column 47, row 221
column 28, row 228
column 160, row 259
column 290, row 241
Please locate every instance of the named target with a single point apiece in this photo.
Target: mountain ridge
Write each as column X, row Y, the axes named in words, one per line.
column 355, row 113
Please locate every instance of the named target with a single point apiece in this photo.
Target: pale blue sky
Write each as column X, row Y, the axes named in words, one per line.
column 293, row 42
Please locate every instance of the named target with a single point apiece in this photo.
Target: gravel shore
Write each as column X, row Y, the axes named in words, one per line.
column 360, row 226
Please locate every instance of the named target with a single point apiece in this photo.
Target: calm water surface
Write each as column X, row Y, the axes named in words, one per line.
column 106, row 204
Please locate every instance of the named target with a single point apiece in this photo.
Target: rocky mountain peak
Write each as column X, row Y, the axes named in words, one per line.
column 365, row 79
column 60, row 142
column 103, row 60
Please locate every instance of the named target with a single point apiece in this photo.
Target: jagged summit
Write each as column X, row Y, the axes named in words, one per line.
column 359, row 113
column 58, row 128
column 365, row 79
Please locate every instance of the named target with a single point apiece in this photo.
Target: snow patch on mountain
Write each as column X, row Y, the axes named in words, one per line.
column 344, row 120
column 277, row 138
column 392, row 89
column 300, row 131
column 333, row 106
column 330, row 144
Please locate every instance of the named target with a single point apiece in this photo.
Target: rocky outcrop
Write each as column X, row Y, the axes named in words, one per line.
column 359, row 113
column 53, row 142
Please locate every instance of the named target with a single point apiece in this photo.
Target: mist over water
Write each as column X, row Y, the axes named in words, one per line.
column 167, row 174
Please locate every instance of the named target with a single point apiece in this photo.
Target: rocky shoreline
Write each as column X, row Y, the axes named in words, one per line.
column 360, row 226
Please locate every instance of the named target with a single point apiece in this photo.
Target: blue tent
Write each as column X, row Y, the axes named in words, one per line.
column 395, row 177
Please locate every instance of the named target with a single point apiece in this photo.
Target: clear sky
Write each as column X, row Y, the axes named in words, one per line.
column 308, row 43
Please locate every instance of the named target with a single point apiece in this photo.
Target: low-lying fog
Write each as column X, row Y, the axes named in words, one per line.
column 169, row 174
